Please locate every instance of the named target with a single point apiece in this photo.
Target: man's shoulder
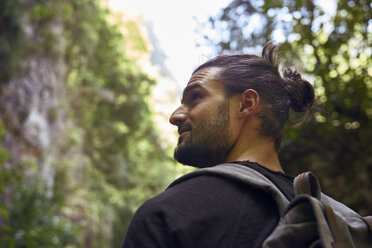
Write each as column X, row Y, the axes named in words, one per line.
column 201, row 192
column 198, row 192
column 209, row 206
column 191, row 202
column 200, row 186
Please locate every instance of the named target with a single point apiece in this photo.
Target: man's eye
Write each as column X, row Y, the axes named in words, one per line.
column 195, row 96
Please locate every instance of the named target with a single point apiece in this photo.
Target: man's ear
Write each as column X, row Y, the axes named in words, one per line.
column 249, row 102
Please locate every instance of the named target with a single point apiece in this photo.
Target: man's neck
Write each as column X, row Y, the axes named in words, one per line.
column 256, row 149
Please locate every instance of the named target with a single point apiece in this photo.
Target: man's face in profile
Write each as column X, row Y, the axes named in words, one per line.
column 203, row 121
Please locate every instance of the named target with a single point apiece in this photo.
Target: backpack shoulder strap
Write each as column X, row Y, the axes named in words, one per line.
column 243, row 174
column 307, row 183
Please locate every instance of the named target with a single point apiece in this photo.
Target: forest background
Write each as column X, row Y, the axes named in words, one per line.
column 80, row 150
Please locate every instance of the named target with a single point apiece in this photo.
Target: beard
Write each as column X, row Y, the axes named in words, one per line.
column 207, row 144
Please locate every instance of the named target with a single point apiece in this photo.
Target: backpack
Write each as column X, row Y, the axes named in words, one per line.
column 311, row 219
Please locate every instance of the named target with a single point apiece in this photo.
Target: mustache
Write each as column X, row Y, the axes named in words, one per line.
column 186, row 126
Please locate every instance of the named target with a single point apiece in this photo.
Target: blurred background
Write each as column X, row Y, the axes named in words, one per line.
column 87, row 86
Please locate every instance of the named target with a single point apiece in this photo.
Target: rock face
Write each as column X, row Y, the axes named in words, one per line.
column 33, row 106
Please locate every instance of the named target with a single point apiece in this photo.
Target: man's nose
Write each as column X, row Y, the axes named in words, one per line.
column 178, row 116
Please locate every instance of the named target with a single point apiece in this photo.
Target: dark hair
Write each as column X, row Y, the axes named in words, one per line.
column 278, row 92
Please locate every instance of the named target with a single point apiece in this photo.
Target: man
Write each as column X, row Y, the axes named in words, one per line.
column 233, row 110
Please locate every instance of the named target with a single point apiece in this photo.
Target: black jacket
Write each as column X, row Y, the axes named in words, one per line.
column 208, row 211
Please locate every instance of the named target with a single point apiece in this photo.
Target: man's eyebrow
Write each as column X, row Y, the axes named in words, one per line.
column 189, row 88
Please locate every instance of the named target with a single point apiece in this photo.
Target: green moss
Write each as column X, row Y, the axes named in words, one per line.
column 4, row 154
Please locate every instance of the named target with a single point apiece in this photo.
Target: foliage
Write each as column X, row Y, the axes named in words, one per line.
column 10, row 38
column 333, row 43
column 22, row 208
column 28, row 224
column 111, row 158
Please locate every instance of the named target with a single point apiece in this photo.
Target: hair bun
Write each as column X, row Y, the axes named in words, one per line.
column 300, row 91
column 291, row 74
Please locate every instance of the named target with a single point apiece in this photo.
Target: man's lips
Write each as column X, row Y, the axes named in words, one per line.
column 182, row 135
column 183, row 129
